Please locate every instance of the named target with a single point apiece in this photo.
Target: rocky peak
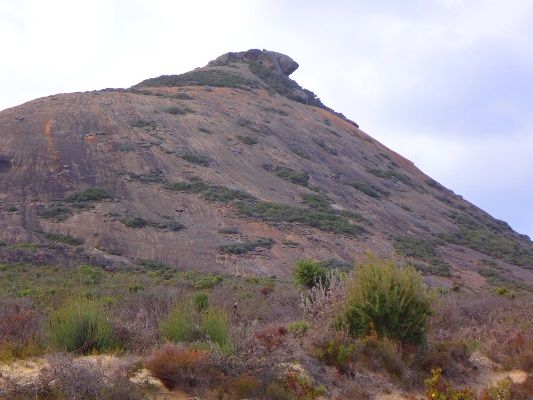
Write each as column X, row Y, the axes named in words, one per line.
column 276, row 62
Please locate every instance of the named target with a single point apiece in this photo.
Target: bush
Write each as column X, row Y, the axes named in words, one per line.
column 250, row 141
column 245, row 387
column 288, row 174
column 215, row 325
column 70, row 378
column 201, row 77
column 180, row 325
column 184, row 324
column 369, row 190
column 207, row 282
column 381, row 354
column 55, row 213
column 20, row 329
column 90, row 276
column 197, row 159
column 201, row 302
column 451, row 358
column 134, row 222
column 209, row 192
column 270, row 336
column 294, row 385
column 67, row 239
column 390, row 301
column 436, row 389
column 425, row 250
column 298, row 327
column 338, row 352
column 309, row 273
column 328, row 220
column 88, row 195
column 178, row 367
column 150, row 177
column 245, row 247
column 81, row 326
column 178, row 111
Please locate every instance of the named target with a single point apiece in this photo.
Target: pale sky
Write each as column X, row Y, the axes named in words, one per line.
column 446, row 83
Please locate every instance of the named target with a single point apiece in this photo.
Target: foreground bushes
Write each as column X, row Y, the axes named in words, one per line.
column 20, row 329
column 388, row 301
column 188, row 323
column 309, row 273
column 66, row 377
column 81, row 326
column 179, row 367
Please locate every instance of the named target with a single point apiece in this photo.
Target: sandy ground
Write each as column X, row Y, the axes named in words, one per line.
column 27, row 371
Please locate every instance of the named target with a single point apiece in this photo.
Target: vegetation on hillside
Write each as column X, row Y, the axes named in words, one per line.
column 371, row 319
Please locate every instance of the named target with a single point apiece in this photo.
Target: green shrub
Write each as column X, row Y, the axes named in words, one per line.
column 180, row 325
column 55, row 213
column 394, row 176
column 328, row 221
column 300, row 152
column 169, row 224
column 424, row 250
column 178, row 111
column 490, row 237
column 81, row 325
column 88, row 195
column 323, row 145
column 437, row 389
column 215, row 325
column 197, row 159
column 23, row 246
column 152, row 264
column 134, row 222
column 183, row 96
column 250, row 141
column 390, row 301
column 298, row 327
column 338, row 352
column 151, row 177
column 274, row 110
column 215, row 193
column 434, row 184
column 309, row 273
column 207, row 282
column 185, row 324
column 296, row 177
column 369, row 190
column 274, row 81
column 90, row 275
column 202, row 77
column 201, row 301
column 229, row 231
column 67, row 239
column 381, row 354
column 245, row 247
column 141, row 123
column 497, row 279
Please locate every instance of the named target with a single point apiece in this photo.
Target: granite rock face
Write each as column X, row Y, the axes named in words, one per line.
column 177, row 168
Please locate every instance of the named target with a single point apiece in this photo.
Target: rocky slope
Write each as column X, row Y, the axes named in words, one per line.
column 231, row 168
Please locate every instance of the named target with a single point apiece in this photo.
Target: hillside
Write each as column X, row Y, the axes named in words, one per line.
column 231, row 168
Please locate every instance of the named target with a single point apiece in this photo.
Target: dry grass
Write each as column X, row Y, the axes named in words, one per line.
column 179, row 367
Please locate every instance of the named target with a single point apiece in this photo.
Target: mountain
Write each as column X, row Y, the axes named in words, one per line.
column 231, row 168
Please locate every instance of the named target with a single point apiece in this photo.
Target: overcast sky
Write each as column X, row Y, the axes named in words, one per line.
column 446, row 83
